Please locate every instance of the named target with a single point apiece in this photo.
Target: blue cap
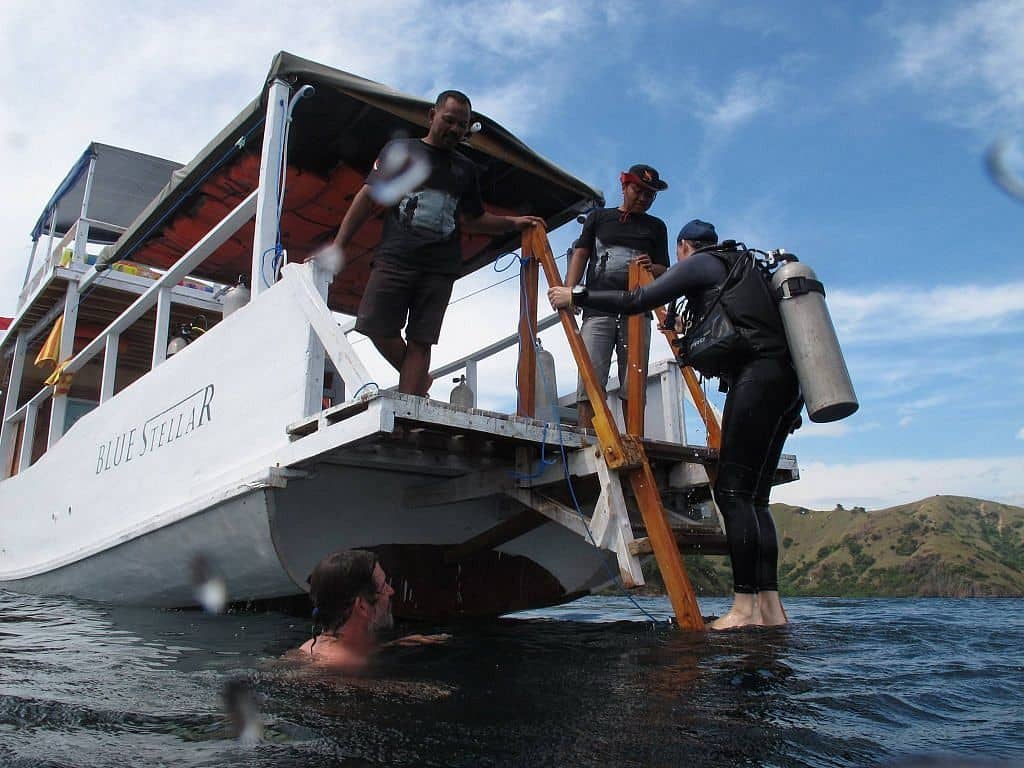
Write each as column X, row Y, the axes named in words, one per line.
column 699, row 231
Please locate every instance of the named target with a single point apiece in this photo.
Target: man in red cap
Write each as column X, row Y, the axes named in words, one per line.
column 610, row 240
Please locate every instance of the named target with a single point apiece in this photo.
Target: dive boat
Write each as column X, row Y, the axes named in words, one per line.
column 129, row 474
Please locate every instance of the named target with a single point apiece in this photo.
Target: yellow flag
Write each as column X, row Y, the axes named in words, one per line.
column 51, row 347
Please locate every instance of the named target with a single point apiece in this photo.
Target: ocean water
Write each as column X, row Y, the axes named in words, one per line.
column 594, row 683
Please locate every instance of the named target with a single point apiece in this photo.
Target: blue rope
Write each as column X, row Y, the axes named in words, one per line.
column 367, row 384
column 561, row 444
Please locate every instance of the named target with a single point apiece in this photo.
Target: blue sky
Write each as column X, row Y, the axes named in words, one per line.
column 852, row 134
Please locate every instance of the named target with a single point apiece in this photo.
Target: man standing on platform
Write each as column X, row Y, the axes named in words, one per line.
column 611, row 239
column 420, row 252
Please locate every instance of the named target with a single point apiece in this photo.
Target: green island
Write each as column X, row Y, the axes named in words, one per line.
column 942, row 546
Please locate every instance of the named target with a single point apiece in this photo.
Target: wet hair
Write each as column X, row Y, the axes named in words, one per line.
column 459, row 96
column 336, row 582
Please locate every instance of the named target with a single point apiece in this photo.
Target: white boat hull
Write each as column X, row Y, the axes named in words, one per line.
column 196, row 459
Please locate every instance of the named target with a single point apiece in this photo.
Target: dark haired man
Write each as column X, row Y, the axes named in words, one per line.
column 351, row 606
column 351, row 598
column 420, row 254
column 610, row 240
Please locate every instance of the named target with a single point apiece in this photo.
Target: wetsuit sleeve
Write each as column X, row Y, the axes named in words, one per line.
column 697, row 273
column 586, row 238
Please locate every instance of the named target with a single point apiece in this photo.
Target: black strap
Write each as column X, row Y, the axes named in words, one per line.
column 798, row 286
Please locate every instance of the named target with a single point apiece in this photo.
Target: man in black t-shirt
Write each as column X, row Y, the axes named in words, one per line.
column 420, row 251
column 611, row 239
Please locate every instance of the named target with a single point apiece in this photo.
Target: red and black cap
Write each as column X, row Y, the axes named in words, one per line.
column 645, row 176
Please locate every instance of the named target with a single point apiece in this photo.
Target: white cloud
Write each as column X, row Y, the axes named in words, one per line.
column 914, row 313
column 748, row 95
column 176, row 77
column 878, row 484
column 970, row 59
column 1020, row 434
column 905, row 421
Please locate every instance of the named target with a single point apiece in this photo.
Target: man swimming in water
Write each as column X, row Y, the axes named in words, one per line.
column 351, row 597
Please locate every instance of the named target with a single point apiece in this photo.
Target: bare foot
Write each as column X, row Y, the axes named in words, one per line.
column 743, row 613
column 770, row 607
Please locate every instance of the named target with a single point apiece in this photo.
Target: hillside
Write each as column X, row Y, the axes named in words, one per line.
column 940, row 546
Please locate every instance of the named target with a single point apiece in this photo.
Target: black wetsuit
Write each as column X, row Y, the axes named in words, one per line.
column 760, row 409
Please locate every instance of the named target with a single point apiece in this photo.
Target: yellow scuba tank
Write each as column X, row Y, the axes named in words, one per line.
column 813, row 345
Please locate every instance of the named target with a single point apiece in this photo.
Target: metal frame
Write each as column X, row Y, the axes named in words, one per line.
column 265, row 236
column 263, row 203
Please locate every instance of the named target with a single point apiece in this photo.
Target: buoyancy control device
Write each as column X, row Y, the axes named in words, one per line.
column 813, row 345
column 770, row 302
column 739, row 320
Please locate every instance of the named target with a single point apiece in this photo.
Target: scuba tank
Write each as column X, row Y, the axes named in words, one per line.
column 462, row 395
column 813, row 345
column 545, row 396
column 235, row 298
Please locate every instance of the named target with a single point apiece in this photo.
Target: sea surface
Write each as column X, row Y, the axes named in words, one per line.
column 594, row 683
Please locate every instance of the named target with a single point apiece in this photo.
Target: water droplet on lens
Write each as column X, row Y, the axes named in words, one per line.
column 209, row 587
column 242, row 709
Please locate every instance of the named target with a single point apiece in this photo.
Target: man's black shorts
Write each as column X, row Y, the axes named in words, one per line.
column 394, row 292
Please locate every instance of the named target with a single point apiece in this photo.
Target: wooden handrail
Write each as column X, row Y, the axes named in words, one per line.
column 636, row 381
column 527, row 368
column 625, row 454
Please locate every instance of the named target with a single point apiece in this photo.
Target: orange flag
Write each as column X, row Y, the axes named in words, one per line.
column 51, row 347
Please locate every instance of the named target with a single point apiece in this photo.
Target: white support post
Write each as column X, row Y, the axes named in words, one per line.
column 49, row 239
column 471, row 378
column 28, row 439
column 110, row 367
column 611, row 528
column 82, row 233
column 58, row 409
column 163, row 321
column 9, row 431
column 265, row 237
column 309, row 289
column 672, row 405
column 31, row 261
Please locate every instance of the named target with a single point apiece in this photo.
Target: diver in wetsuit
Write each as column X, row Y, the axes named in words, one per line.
column 762, row 405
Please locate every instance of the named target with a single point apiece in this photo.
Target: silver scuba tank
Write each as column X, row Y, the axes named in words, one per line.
column 235, row 298
column 462, row 394
column 546, row 389
column 813, row 345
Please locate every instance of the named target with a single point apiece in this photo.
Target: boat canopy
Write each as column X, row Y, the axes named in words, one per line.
column 123, row 183
column 334, row 138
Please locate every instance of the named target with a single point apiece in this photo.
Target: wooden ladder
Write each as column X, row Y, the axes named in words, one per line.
column 622, row 454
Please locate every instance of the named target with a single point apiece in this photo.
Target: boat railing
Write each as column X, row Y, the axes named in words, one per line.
column 158, row 294
column 261, row 204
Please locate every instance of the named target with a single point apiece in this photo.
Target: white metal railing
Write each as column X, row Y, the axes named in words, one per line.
column 262, row 203
column 107, row 340
column 468, row 363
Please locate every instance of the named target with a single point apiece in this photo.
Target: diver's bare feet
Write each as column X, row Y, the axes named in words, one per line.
column 743, row 613
column 770, row 607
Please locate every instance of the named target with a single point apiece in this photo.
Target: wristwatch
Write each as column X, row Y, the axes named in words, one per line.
column 578, row 294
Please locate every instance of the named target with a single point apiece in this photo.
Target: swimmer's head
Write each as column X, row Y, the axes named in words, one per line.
column 337, row 581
